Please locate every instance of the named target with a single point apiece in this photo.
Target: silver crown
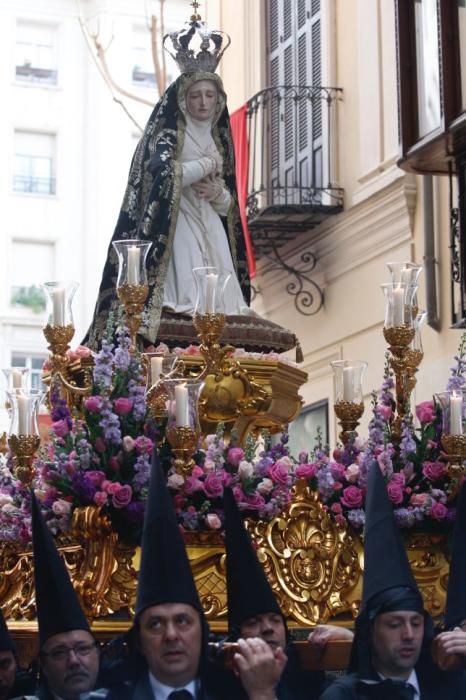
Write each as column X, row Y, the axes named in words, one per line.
column 196, row 47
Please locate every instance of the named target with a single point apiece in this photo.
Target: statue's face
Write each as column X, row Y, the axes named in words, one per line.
column 201, row 99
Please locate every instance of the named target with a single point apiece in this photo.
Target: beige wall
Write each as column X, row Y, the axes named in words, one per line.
column 383, row 214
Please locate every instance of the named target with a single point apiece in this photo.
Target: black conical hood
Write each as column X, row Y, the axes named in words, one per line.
column 165, row 574
column 386, row 564
column 249, row 592
column 455, row 611
column 58, row 608
column 6, row 641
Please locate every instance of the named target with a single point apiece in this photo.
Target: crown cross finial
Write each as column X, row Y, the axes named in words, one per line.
column 195, row 17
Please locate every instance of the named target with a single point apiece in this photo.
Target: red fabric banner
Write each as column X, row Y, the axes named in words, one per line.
column 241, row 147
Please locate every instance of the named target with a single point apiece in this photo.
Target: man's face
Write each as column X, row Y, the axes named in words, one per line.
column 268, row 626
column 170, row 639
column 396, row 642
column 201, row 99
column 7, row 673
column 70, row 662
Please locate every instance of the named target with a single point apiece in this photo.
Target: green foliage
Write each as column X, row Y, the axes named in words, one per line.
column 32, row 297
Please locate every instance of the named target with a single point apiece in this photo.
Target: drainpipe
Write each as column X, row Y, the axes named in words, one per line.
column 429, row 254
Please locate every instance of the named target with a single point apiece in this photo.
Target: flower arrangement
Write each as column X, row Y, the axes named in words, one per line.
column 417, row 481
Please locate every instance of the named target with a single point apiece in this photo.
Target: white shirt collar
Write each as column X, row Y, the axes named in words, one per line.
column 412, row 680
column 162, row 691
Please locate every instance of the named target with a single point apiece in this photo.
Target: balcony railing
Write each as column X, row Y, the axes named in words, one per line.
column 35, row 185
column 291, row 182
column 36, row 75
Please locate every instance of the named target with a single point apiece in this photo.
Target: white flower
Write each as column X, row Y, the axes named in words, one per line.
column 245, row 469
column 61, row 507
column 265, row 486
column 285, row 462
column 175, row 481
column 209, row 465
column 352, row 472
column 4, row 499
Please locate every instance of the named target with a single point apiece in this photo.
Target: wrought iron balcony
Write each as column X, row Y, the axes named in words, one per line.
column 291, row 183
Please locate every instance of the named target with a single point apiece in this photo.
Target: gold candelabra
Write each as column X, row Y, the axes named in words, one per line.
column 348, row 413
column 64, row 372
column 23, row 448
column 402, row 362
column 454, row 447
column 133, row 298
column 183, row 440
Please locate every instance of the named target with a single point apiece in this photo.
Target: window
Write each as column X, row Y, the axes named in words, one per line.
column 143, row 74
column 34, row 163
column 34, row 363
column 428, row 65
column 31, row 264
column 309, row 428
column 36, row 53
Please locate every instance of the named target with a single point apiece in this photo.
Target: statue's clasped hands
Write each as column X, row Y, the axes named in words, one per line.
column 209, row 188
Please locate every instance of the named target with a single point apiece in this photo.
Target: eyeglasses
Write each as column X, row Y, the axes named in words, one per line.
column 62, row 653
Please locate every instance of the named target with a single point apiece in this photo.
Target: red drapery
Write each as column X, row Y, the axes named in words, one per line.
column 241, row 147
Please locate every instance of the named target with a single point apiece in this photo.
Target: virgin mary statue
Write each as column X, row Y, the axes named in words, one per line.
column 181, row 196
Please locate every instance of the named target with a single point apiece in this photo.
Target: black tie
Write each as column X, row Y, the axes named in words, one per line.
column 180, row 695
column 399, row 689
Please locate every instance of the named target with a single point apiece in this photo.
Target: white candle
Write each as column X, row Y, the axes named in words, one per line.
column 24, row 419
column 155, row 368
column 398, row 306
column 405, row 277
column 348, row 384
column 58, row 301
column 134, row 255
column 17, row 379
column 182, row 405
column 211, row 286
column 456, row 415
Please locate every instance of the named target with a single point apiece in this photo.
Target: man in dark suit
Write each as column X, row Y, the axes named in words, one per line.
column 390, row 657
column 170, row 632
column 13, row 680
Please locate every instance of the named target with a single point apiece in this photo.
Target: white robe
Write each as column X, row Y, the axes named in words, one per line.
column 200, row 239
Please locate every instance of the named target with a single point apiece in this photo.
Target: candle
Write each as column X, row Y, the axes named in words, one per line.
column 211, row 287
column 398, row 306
column 134, row 255
column 23, row 415
column 406, row 277
column 58, row 301
column 348, row 384
column 155, row 368
column 17, row 378
column 181, row 405
column 456, row 414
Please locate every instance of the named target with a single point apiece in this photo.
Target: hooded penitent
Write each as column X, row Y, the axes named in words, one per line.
column 151, row 204
column 249, row 592
column 388, row 582
column 6, row 642
column 165, row 574
column 455, row 611
column 58, row 608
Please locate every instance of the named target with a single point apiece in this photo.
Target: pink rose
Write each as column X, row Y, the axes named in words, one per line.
column 398, row 478
column 213, row 485
column 95, row 477
column 340, row 519
column 191, row 485
column 235, row 455
column 438, row 511
column 385, row 412
column 93, row 404
column 395, row 492
column 123, row 406
column 175, row 481
column 352, row 497
column 100, row 498
column 110, row 487
column 123, row 496
column 82, row 351
column 197, row 471
column 255, row 502
column 209, row 465
column 60, row 428
column 434, row 470
column 306, row 471
column 336, row 508
column 425, row 412
column 278, row 473
column 213, row 521
column 61, row 507
column 265, row 486
column 285, row 462
column 179, row 501
column 337, row 470
column 418, row 499
column 143, row 445
column 352, row 473
column 337, row 454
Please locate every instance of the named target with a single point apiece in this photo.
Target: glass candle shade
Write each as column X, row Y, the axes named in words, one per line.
column 399, row 301
column 405, row 273
column 183, row 403
column 348, row 380
column 132, row 255
column 453, row 404
column 418, row 324
column 16, row 377
column 59, row 302
column 158, row 366
column 24, row 406
column 210, row 287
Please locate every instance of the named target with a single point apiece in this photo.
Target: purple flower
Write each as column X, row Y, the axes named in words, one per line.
column 123, row 496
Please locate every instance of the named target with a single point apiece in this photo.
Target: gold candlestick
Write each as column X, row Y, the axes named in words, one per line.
column 348, row 414
column 209, row 327
column 183, row 441
column 74, row 378
column 399, row 339
column 23, row 448
column 133, row 298
column 455, row 449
